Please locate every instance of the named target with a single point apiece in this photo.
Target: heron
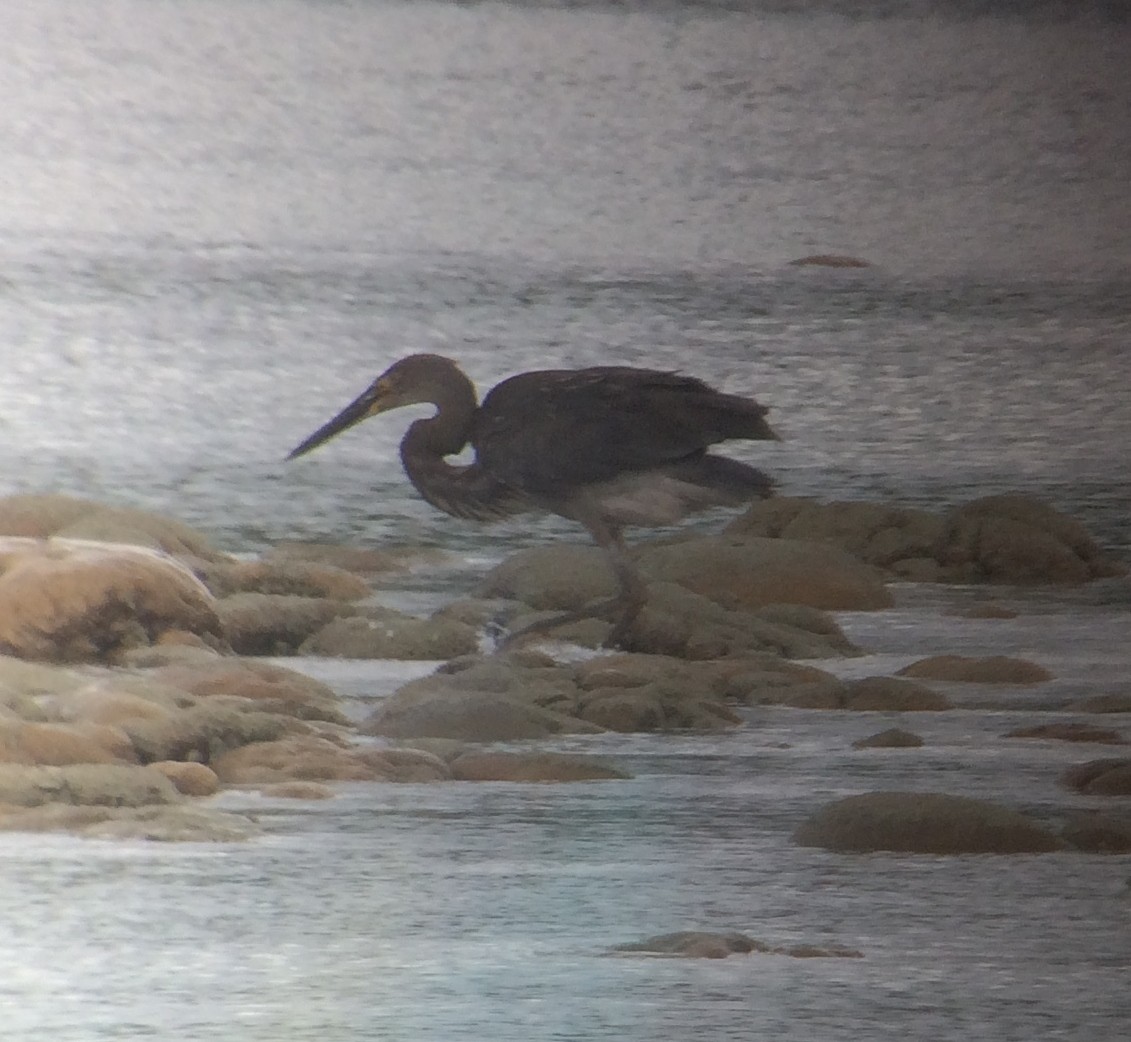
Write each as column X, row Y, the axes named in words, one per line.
column 607, row 447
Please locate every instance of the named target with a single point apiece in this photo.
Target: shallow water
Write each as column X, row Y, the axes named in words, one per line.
column 219, row 221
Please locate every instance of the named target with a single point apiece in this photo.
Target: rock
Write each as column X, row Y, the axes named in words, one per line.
column 113, row 785
column 510, row 698
column 923, row 823
column 1106, row 703
column 892, row 695
column 284, row 577
column 530, row 767
column 746, row 572
column 993, row 669
column 298, row 790
column 190, row 779
column 294, row 758
column 830, row 260
column 1070, row 731
column 704, row 944
column 272, row 688
column 1106, row 777
column 696, row 944
column 274, row 624
column 735, row 573
column 201, row 733
column 881, row 535
column 89, row 602
column 59, row 744
column 468, row 716
column 892, row 738
column 1096, row 832
column 169, row 823
column 310, row 758
column 1018, row 539
column 46, row 516
column 1003, row 539
column 385, row 633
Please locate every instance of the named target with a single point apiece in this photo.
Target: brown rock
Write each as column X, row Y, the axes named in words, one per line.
column 1099, row 833
column 1070, row 731
column 299, row 790
column 275, row 688
column 830, row 260
column 112, row 785
column 923, row 823
column 295, row 758
column 201, row 733
column 274, row 624
column 190, row 779
column 696, row 944
column 1106, row 703
column 80, row 603
column 892, row 738
column 530, row 767
column 1106, row 777
column 892, row 695
column 994, row 669
column 53, row 744
column 285, row 577
column 45, row 516
column 385, row 633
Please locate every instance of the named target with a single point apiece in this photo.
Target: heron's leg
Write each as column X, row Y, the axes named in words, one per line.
column 622, row 608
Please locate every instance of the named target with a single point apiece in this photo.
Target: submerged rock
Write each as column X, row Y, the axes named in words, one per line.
column 1105, row 777
column 386, row 633
column 706, row 944
column 530, row 767
column 923, row 823
column 892, row 738
column 991, row 669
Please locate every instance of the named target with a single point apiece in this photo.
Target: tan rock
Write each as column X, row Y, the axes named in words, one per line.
column 993, row 669
column 530, row 767
column 45, row 516
column 385, row 633
column 190, row 779
column 274, row 624
column 294, row 758
column 274, row 688
column 74, row 603
column 113, row 785
column 285, row 577
column 298, row 790
column 55, row 744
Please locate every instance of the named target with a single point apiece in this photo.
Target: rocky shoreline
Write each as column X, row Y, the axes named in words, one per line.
column 132, row 686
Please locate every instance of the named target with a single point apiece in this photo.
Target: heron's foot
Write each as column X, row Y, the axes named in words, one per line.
column 622, row 611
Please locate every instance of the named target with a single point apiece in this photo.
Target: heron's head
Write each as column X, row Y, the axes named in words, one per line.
column 411, row 381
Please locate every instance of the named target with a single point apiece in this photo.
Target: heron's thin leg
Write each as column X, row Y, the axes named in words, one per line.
column 622, row 608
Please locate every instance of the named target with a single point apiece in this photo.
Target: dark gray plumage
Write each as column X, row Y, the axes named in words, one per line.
column 607, row 446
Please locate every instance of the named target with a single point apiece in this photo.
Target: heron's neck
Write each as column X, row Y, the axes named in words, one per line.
column 427, row 442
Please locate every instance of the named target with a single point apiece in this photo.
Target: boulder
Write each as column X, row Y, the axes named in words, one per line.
column 385, row 633
column 201, row 733
column 272, row 688
column 61, row 744
column 274, row 624
column 68, row 517
column 923, row 823
column 1113, row 702
column 998, row 539
column 1019, row 539
column 735, row 573
column 530, row 767
column 1105, row 777
column 1097, row 832
column 1070, row 731
column 164, row 823
column 190, row 779
column 508, row 698
column 310, row 758
column 283, row 577
column 89, row 602
column 892, row 738
column 992, row 669
column 113, row 785
column 892, row 695
column 752, row 573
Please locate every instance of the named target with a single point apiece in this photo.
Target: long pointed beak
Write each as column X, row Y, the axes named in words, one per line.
column 366, row 404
